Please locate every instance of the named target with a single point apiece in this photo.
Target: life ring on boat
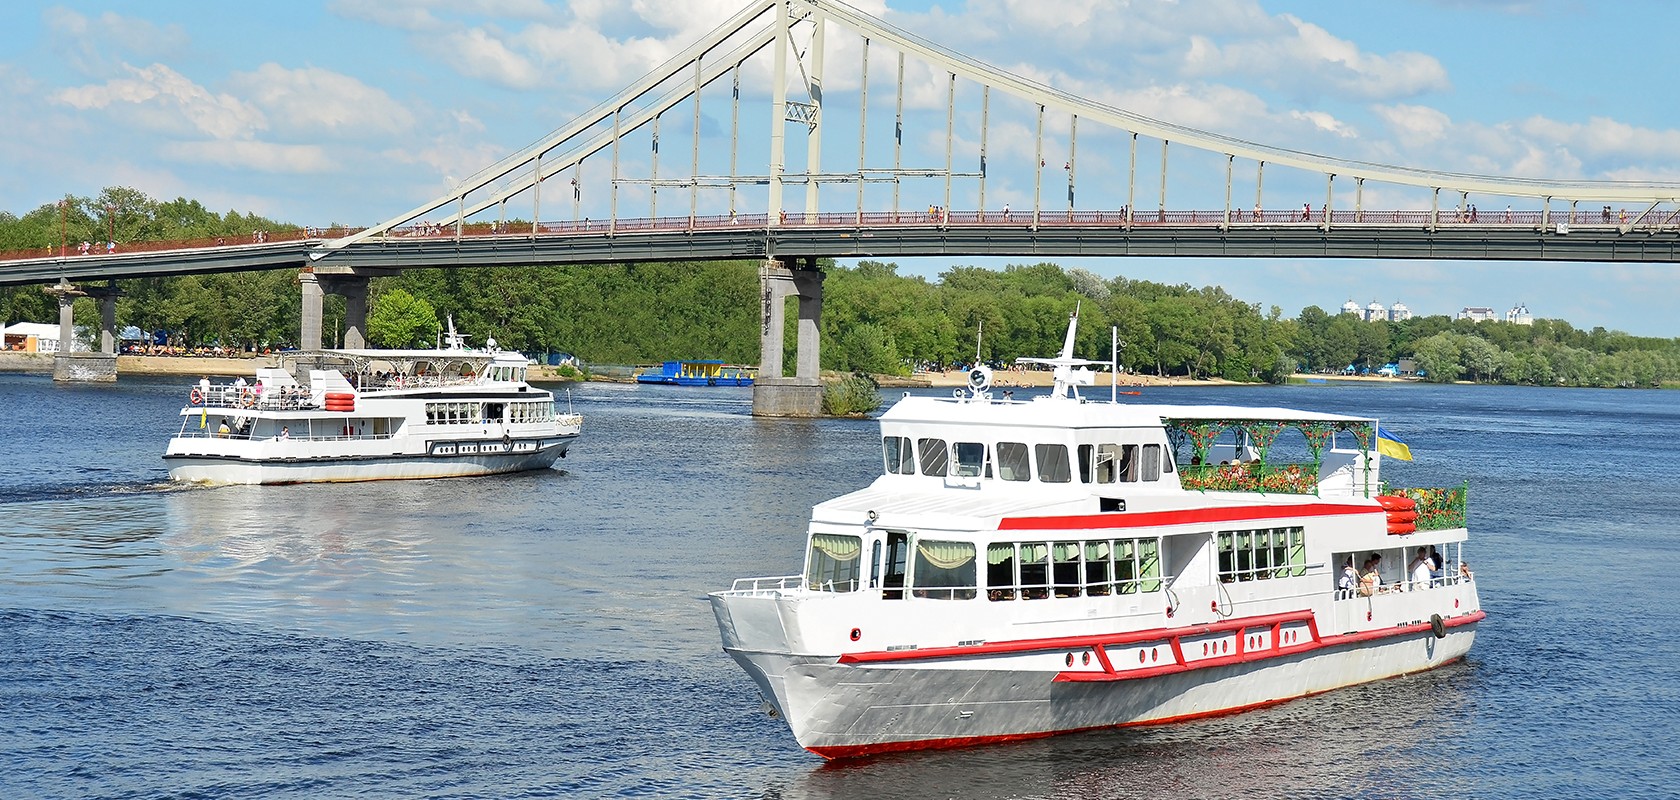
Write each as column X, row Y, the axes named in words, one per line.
column 196, row 396
column 1437, row 626
column 1402, row 516
column 1398, row 528
column 246, row 400
column 1396, row 502
column 507, row 441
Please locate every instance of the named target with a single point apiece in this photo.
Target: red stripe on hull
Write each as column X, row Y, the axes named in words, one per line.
column 1189, row 516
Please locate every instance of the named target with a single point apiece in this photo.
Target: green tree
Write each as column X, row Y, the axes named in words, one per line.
column 400, row 320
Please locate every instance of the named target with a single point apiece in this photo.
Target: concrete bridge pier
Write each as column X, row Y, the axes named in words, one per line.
column 73, row 367
column 353, row 288
column 775, row 395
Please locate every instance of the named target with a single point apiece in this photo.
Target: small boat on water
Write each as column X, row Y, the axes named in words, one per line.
column 1024, row 568
column 699, row 373
column 360, row 415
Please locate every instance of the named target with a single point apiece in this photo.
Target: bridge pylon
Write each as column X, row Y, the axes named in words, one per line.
column 774, row 393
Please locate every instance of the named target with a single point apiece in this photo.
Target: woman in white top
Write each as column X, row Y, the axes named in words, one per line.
column 1421, row 568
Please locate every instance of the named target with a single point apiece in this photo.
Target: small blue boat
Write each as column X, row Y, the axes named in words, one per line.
column 698, row 373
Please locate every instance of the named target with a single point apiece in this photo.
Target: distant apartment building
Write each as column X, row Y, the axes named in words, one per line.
column 1375, row 312
column 1477, row 314
column 1518, row 315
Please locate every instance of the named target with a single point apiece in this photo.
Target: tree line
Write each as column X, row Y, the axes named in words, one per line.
column 874, row 319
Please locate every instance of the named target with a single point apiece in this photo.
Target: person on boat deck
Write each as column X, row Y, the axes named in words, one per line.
column 1464, row 572
column 1420, row 568
column 239, row 386
column 204, row 389
column 285, row 432
column 223, row 430
column 1370, row 581
column 1349, row 580
column 1438, row 570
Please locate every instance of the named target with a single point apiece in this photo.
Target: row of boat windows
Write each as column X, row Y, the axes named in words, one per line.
column 1037, row 570
column 1015, row 461
column 1260, row 554
column 949, row 570
column 477, row 413
column 507, row 373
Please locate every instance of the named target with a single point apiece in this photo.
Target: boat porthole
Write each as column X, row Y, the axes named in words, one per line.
column 1204, row 648
column 857, row 634
column 1068, row 660
column 1085, row 658
column 1227, row 644
column 1154, row 654
column 1142, row 656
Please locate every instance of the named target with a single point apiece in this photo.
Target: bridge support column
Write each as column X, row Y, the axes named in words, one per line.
column 800, row 395
column 309, row 335
column 68, row 365
column 354, row 290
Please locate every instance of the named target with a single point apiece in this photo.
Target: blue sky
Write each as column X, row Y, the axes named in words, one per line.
column 356, row 110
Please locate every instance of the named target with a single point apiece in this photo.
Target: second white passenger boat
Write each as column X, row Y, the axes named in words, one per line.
column 1027, row 568
column 361, row 415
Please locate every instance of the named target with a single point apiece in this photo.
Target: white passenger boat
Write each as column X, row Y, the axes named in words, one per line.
column 358, row 415
column 1024, row 568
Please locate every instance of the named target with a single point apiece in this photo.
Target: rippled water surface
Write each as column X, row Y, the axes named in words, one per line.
column 546, row 634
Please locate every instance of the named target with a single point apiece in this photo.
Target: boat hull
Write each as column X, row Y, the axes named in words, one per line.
column 233, row 469
column 840, row 710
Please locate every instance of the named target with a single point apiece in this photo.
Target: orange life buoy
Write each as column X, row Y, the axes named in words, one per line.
column 1395, row 502
column 197, row 397
column 1398, row 528
column 1402, row 516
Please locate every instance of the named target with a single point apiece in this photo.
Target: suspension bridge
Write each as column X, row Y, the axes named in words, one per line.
column 953, row 157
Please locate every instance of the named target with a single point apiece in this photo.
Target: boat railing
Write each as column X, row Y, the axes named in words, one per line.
column 1250, row 476
column 1437, row 509
column 235, row 395
column 767, row 585
column 191, row 432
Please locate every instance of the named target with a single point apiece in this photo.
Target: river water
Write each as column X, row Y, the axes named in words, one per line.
column 546, row 635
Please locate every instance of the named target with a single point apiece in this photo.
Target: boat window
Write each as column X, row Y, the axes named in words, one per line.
column 1167, row 460
column 834, row 563
column 1108, row 463
column 1128, row 469
column 1012, row 461
column 1261, row 554
column 935, row 460
column 1137, row 566
column 1151, row 462
column 1035, row 571
column 1087, row 464
column 1067, row 569
column 1000, row 571
column 900, row 460
column 875, row 564
column 1097, row 566
column 1125, row 566
column 1052, row 462
column 971, row 458
column 898, row 549
column 944, row 570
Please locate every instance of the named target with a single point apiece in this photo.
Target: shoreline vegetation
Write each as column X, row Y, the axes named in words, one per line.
column 874, row 320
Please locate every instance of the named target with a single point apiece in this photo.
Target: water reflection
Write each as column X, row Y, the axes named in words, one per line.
column 1385, row 739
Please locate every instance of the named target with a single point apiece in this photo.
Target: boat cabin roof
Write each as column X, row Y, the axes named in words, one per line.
column 1076, row 413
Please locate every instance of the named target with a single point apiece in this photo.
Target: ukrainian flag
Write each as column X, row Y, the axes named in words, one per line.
column 1392, row 446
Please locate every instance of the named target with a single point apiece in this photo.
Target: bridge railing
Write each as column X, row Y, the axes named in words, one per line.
column 1597, row 218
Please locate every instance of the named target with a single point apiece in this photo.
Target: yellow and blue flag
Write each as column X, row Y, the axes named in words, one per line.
column 1392, row 446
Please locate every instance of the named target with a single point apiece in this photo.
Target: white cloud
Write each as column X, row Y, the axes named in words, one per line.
column 1414, row 125
column 164, row 97
column 482, row 53
column 98, row 45
column 257, row 156
column 312, row 101
column 1325, row 122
